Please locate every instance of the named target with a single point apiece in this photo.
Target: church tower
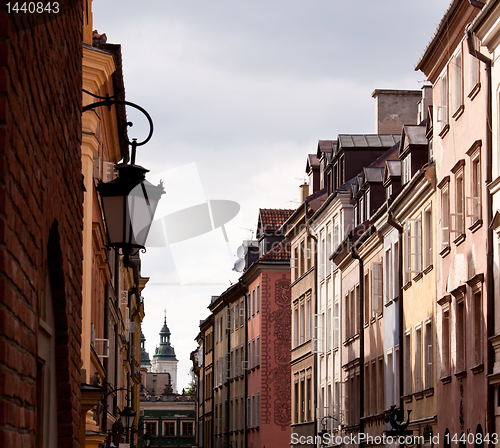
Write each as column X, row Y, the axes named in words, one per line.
column 164, row 360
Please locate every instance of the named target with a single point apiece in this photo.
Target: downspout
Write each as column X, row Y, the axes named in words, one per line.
column 361, row 269
column 490, row 323
column 397, row 225
column 315, row 366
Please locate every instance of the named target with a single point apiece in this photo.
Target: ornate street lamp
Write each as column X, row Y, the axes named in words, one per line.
column 147, row 439
column 129, row 202
column 127, row 416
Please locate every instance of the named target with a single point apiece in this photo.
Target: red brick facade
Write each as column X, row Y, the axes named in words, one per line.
column 40, row 218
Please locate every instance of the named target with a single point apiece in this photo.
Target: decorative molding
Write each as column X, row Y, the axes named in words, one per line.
column 97, row 67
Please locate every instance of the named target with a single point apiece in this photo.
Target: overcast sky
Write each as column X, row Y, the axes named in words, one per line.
column 240, row 93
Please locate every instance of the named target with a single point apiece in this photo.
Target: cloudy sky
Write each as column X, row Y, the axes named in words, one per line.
column 240, row 93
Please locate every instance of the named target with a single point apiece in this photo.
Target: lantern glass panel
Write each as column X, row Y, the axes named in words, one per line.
column 114, row 215
column 142, row 202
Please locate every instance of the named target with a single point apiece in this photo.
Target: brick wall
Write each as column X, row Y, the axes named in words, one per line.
column 40, row 217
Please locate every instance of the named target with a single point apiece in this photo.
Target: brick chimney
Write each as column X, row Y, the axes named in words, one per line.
column 304, row 192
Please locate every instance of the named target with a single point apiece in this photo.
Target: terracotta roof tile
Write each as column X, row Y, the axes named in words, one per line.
column 281, row 252
column 272, row 219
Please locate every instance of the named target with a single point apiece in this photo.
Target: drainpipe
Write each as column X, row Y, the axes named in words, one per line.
column 315, row 366
column 361, row 269
column 397, row 225
column 490, row 323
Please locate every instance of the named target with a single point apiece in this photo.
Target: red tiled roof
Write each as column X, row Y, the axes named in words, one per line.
column 280, row 252
column 273, row 218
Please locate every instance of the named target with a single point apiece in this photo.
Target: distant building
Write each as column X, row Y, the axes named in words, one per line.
column 169, row 417
column 164, row 360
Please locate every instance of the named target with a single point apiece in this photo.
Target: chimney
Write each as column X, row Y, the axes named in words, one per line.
column 424, row 104
column 304, row 192
column 395, row 108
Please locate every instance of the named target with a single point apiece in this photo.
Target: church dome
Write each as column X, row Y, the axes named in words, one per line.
column 165, row 351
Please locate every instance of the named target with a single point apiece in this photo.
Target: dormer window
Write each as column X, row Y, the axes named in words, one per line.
column 361, row 209
column 406, row 170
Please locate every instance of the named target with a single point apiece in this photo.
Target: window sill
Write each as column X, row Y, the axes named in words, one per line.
column 444, row 131
column 477, row 225
column 428, row 269
column 446, row 379
column 388, row 303
column 429, row 392
column 407, row 285
column 408, row 398
column 419, row 395
column 459, row 239
column 445, row 251
column 418, row 276
column 461, row 374
column 477, row 369
column 459, row 112
column 473, row 93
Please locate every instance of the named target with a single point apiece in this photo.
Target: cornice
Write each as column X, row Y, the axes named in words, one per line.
column 97, row 67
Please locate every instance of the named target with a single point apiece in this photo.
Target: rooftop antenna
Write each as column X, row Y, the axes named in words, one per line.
column 250, row 230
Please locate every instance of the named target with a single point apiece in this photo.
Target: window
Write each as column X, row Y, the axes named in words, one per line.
column 460, row 333
column 258, row 298
column 389, row 275
column 257, row 352
column 406, row 171
column 418, row 359
column 249, row 306
column 428, row 354
column 357, row 311
column 366, row 299
column 187, row 429
column 390, row 377
column 427, row 247
column 296, row 327
column 295, row 263
column 459, row 203
column 328, row 251
column 396, row 375
column 478, row 327
column 377, row 288
column 407, row 361
column 253, row 302
column 296, row 402
column 457, row 93
column 442, row 111
column 302, row 323
column 445, row 338
column 169, row 429
column 302, row 401
column 152, row 428
column 308, row 318
column 336, row 326
column 413, row 247
column 445, row 216
column 474, row 201
column 253, row 359
column 329, row 329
